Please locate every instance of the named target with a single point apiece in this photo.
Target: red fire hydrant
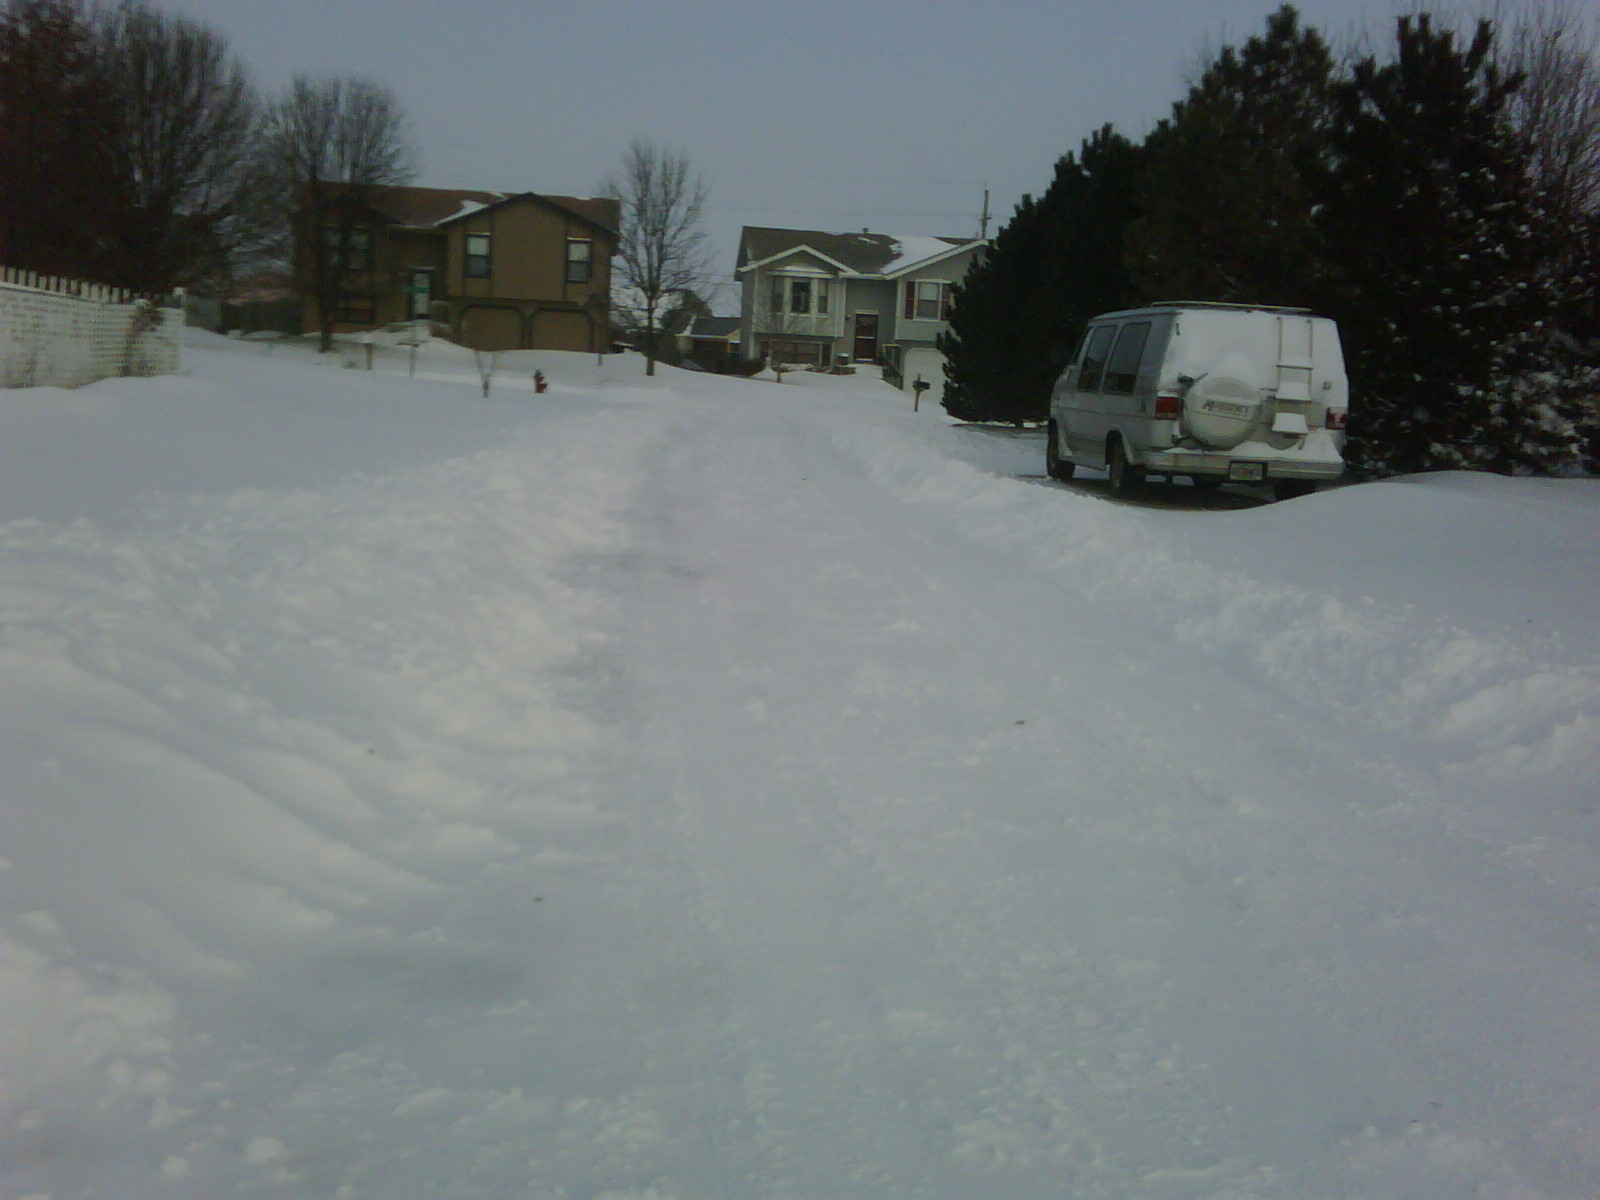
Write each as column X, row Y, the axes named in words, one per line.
column 538, row 381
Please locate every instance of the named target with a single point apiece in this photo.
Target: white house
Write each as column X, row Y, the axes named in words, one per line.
column 819, row 298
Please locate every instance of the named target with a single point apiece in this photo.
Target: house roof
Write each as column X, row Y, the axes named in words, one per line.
column 602, row 210
column 713, row 327
column 423, row 208
column 427, row 208
column 863, row 253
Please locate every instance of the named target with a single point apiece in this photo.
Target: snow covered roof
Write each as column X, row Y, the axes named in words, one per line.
column 423, row 208
column 467, row 207
column 917, row 250
column 864, row 253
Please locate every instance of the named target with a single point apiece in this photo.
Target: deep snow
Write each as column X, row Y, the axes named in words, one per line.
column 688, row 787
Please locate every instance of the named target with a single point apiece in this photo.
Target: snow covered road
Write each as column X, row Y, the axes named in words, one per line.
column 702, row 788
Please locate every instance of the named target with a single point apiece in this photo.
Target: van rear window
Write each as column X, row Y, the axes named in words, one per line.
column 1094, row 358
column 1123, row 368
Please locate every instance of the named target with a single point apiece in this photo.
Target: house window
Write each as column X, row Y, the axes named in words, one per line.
column 793, row 352
column 797, row 295
column 800, row 295
column 477, row 259
column 578, row 260
column 927, row 300
column 349, row 247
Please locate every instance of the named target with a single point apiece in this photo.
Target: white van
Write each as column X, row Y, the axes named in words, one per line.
column 1213, row 391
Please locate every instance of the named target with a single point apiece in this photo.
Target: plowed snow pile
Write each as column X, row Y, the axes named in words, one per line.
column 686, row 787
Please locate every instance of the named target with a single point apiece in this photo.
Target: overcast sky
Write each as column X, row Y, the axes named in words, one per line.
column 892, row 115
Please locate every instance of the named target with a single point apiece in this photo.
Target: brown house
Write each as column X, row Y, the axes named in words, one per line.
column 498, row 271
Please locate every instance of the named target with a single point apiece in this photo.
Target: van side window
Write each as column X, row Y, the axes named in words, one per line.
column 1123, row 368
column 1075, row 359
column 1094, row 358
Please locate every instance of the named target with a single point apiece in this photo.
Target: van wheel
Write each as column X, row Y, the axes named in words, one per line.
column 1125, row 477
column 1054, row 465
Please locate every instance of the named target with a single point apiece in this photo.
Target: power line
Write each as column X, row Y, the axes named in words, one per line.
column 840, row 212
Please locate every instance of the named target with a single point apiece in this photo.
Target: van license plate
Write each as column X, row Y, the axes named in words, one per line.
column 1247, row 472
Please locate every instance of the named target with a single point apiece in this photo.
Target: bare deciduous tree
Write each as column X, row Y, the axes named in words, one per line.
column 126, row 139
column 53, row 118
column 183, row 136
column 1556, row 113
column 1556, row 110
column 663, row 247
column 331, row 141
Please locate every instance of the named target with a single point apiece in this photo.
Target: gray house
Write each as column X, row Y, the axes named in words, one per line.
column 818, row 298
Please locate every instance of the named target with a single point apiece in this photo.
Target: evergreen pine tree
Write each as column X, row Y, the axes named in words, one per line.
column 982, row 342
column 1438, row 244
column 1224, row 200
column 1086, row 269
column 1016, row 316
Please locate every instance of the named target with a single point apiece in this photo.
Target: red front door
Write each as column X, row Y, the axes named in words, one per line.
column 866, row 349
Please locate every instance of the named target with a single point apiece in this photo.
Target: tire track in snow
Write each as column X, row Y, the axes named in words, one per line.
column 735, row 797
column 807, row 801
column 1051, row 1093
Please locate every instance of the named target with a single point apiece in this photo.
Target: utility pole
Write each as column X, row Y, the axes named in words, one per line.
column 983, row 221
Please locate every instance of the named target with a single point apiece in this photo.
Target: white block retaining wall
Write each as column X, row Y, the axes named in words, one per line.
column 62, row 333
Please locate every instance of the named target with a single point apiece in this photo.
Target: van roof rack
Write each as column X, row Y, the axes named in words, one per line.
column 1222, row 304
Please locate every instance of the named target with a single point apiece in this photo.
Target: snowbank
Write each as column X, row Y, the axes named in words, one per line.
column 679, row 786
column 1385, row 604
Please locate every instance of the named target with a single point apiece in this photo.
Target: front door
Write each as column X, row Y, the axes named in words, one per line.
column 419, row 293
column 866, row 348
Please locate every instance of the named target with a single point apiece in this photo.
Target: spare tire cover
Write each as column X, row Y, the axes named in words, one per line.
column 1221, row 408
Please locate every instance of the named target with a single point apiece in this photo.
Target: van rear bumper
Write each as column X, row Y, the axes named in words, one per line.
column 1277, row 464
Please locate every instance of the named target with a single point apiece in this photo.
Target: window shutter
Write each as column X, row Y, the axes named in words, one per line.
column 911, row 298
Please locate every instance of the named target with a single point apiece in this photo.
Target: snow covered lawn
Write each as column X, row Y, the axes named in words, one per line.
column 675, row 788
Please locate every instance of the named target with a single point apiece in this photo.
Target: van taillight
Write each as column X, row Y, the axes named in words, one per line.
column 1168, row 407
column 1336, row 417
